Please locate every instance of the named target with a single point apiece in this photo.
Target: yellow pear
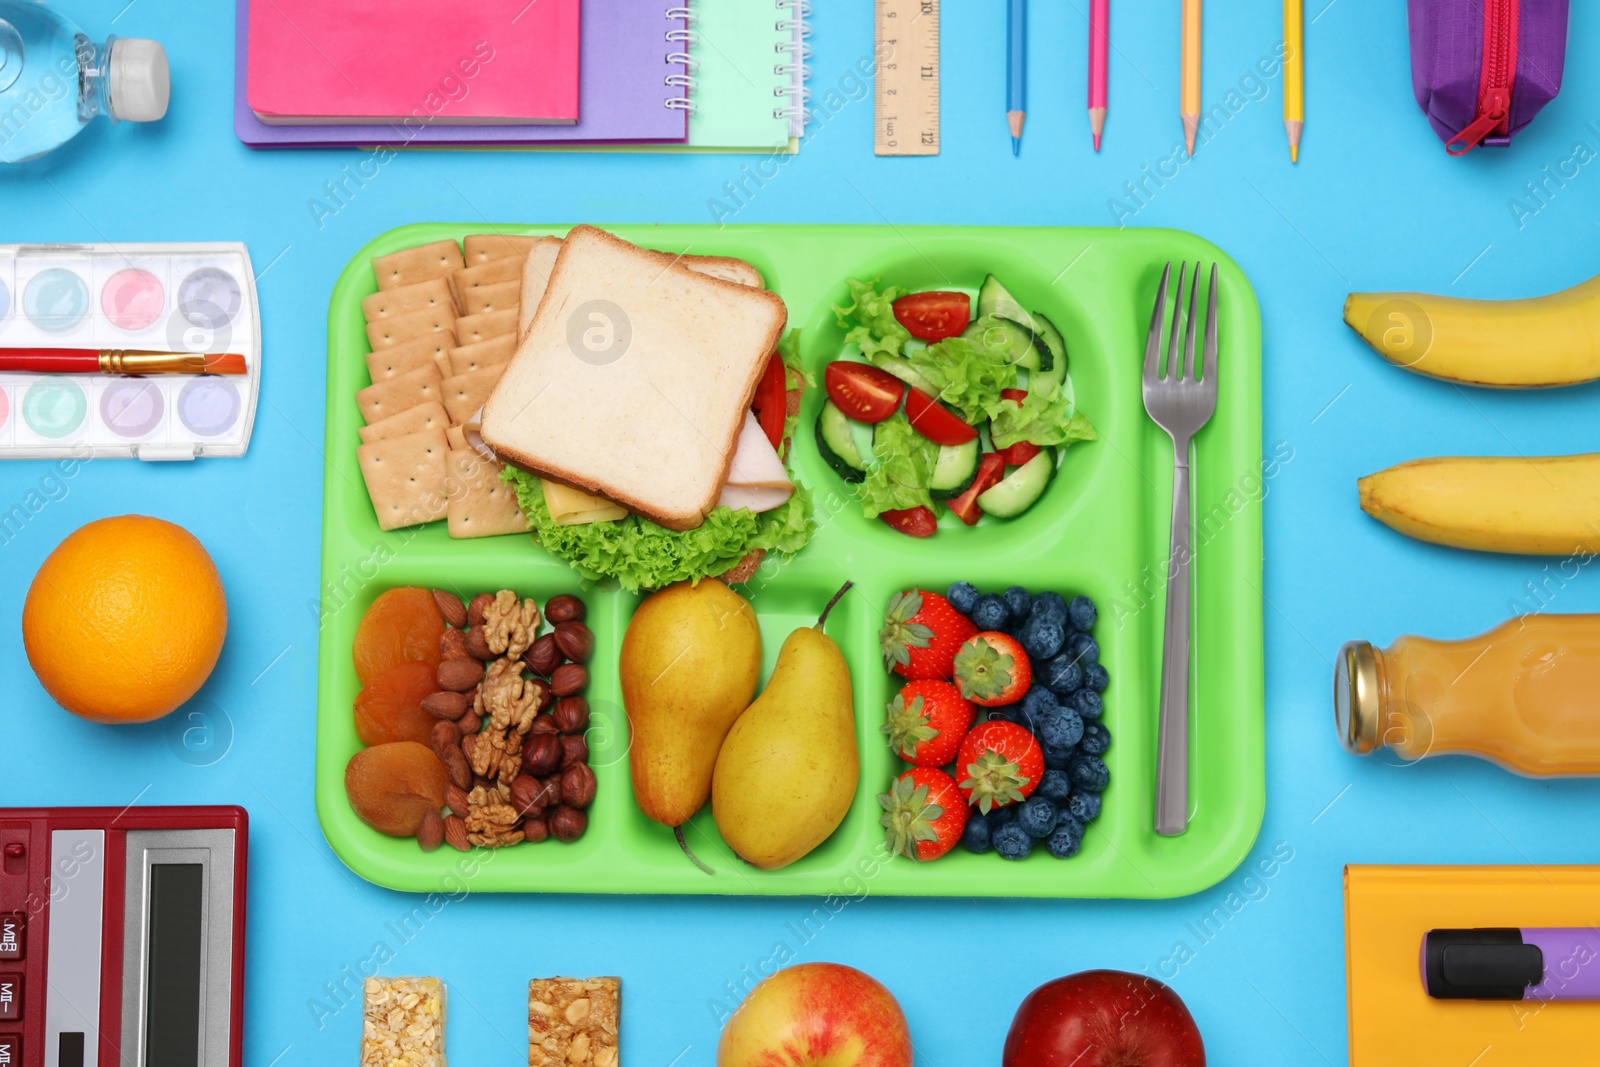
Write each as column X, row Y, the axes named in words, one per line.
column 789, row 767
column 690, row 663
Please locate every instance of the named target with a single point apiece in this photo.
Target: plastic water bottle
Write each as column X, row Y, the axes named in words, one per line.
column 54, row 80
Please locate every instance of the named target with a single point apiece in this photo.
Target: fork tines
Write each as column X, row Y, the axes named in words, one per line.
column 1180, row 362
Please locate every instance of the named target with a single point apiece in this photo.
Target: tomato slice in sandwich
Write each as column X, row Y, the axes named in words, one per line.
column 862, row 391
column 771, row 400
column 934, row 421
column 991, row 468
column 913, row 522
column 934, row 316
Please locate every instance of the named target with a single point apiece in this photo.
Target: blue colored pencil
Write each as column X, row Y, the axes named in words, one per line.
column 1016, row 70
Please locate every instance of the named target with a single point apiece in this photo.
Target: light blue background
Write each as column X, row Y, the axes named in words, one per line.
column 1374, row 204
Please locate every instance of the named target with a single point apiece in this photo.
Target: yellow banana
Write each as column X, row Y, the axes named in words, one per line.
column 1512, row 344
column 1543, row 506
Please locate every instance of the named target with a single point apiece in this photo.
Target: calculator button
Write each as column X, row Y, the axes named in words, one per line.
column 13, row 939
column 10, row 1050
column 10, row 998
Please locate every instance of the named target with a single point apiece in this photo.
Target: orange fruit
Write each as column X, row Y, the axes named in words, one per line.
column 125, row 619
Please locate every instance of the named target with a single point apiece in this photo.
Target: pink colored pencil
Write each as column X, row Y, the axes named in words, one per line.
column 1099, row 44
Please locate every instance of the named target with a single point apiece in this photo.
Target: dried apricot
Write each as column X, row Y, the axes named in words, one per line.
column 389, row 708
column 391, row 787
column 402, row 624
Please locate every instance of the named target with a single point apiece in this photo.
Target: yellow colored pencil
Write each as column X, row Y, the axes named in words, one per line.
column 1294, row 74
column 1189, row 94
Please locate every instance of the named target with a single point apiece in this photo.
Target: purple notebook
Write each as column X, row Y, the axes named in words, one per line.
column 632, row 80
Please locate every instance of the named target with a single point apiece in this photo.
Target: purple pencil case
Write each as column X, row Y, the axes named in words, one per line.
column 1481, row 69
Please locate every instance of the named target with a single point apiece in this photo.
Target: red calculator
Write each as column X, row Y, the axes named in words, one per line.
column 122, row 937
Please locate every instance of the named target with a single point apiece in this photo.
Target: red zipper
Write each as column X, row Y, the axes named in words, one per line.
column 1494, row 84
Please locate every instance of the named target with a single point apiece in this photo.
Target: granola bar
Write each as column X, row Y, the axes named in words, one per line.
column 403, row 1023
column 572, row 1022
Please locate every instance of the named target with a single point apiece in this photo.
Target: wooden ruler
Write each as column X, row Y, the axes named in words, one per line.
column 906, row 90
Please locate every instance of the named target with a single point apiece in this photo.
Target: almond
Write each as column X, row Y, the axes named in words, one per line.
column 451, row 607
column 446, row 735
column 455, row 798
column 460, row 675
column 479, row 608
column 456, row 763
column 431, row 831
column 449, row 706
column 453, row 645
column 469, row 723
column 478, row 644
column 455, row 833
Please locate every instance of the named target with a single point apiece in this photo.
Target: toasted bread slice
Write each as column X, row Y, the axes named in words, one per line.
column 634, row 379
column 727, row 268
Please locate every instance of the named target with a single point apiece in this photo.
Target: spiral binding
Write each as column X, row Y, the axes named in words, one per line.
column 685, row 37
column 794, row 68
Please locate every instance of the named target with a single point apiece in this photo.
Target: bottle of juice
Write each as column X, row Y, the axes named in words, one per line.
column 54, row 80
column 1525, row 695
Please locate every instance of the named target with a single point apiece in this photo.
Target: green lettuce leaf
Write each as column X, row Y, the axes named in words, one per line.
column 869, row 321
column 642, row 555
column 795, row 377
column 1041, row 420
column 904, row 466
column 969, row 372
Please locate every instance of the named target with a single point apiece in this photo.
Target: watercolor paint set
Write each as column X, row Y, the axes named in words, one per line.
column 139, row 350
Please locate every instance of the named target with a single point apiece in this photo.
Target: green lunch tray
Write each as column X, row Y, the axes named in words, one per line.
column 1101, row 529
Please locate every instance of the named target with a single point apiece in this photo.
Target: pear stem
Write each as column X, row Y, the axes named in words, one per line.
column 677, row 831
column 822, row 620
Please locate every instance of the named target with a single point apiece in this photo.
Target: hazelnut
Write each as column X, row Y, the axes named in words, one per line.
column 478, row 644
column 451, row 607
column 568, row 824
column 571, row 715
column 544, row 724
column 543, row 656
column 430, row 832
column 575, row 640
column 574, row 749
column 546, row 695
column 577, row 786
column 551, row 795
column 542, row 755
column 569, row 678
column 564, row 608
column 527, row 795
column 478, row 609
column 453, row 645
column 535, row 828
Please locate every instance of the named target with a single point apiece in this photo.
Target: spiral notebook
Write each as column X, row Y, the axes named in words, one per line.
column 634, row 85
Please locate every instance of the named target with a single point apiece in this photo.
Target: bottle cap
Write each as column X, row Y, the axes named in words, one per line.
column 1487, row 964
column 141, row 84
column 1356, row 700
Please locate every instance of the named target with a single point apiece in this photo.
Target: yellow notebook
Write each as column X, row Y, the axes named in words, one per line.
column 1394, row 1023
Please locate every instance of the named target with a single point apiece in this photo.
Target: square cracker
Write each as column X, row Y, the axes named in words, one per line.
column 405, row 478
column 394, row 395
column 457, row 438
column 429, row 416
column 397, row 330
column 504, row 269
column 387, row 303
column 465, row 393
column 481, row 505
column 409, row 355
column 482, row 299
column 490, row 353
column 483, row 247
column 409, row 266
column 470, row 329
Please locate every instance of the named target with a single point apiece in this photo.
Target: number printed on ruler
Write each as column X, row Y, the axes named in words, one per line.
column 906, row 91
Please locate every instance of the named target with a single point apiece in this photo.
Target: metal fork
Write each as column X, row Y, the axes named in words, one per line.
column 1180, row 404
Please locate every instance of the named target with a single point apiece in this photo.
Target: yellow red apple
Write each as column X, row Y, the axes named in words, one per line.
column 817, row 1015
column 1103, row 1019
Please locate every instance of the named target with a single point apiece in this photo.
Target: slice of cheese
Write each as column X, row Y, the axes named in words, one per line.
column 569, row 507
column 756, row 478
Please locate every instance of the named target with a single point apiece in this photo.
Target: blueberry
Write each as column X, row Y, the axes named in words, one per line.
column 1084, row 648
column 1056, row 786
column 998, row 817
column 1041, row 638
column 1061, row 730
column 1089, row 773
column 1067, row 838
column 1097, row 678
column 1037, row 817
column 1038, row 703
column 1083, row 806
column 1087, row 702
column 1012, row 842
column 1005, row 713
column 1050, row 606
column 991, row 613
column 975, row 838
column 1082, row 612
column 1019, row 601
column 963, row 596
column 1061, row 675
column 1096, row 739
column 1058, row 759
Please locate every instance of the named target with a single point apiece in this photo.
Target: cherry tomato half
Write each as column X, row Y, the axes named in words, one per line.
column 991, row 467
column 863, row 392
column 771, row 400
column 934, row 316
column 934, row 421
column 1019, row 395
column 913, row 522
column 1018, row 454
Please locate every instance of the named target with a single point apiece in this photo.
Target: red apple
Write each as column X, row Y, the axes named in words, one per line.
column 817, row 1015
column 1103, row 1019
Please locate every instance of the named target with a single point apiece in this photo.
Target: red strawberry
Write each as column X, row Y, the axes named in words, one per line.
column 927, row 721
column 923, row 814
column 992, row 669
column 999, row 763
column 921, row 633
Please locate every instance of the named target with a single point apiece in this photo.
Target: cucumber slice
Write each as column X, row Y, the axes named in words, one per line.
column 1053, row 372
column 901, row 368
column 954, row 470
column 837, row 444
column 1021, row 348
column 1018, row 491
column 994, row 300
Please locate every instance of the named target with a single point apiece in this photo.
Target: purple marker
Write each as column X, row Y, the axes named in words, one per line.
column 1552, row 963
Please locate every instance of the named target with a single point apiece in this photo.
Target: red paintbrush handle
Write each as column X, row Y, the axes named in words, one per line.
column 50, row 360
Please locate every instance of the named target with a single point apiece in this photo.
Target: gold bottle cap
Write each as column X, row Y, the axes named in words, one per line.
column 1356, row 704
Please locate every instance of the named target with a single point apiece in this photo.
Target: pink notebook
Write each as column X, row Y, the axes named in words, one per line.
column 462, row 62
